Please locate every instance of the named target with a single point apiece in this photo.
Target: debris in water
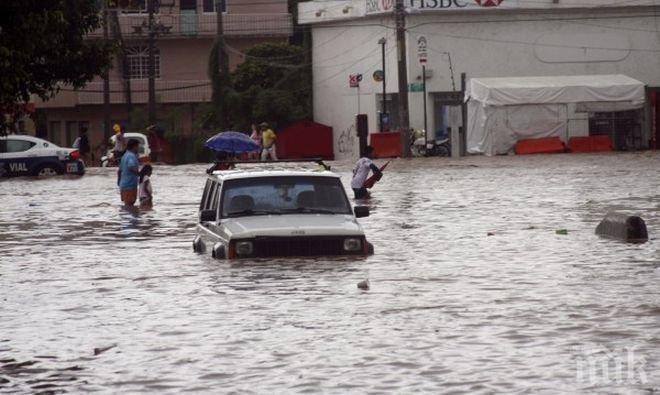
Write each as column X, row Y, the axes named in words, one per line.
column 561, row 231
column 364, row 284
column 490, row 234
column 100, row 350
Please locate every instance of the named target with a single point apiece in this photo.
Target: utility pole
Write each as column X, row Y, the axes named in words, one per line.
column 404, row 122
column 152, row 63
column 382, row 42
column 219, row 6
column 106, row 84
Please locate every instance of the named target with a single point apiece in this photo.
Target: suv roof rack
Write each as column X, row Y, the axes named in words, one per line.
column 318, row 161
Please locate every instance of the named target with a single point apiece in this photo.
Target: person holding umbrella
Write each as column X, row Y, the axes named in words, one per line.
column 227, row 145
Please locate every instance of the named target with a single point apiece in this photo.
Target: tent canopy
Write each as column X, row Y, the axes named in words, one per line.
column 502, row 111
column 555, row 90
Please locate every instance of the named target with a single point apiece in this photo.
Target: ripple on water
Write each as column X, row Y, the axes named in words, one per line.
column 450, row 309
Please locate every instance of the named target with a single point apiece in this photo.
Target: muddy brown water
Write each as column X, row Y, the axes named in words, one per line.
column 472, row 289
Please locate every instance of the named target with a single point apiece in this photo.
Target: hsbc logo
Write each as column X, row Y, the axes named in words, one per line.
column 452, row 4
column 383, row 6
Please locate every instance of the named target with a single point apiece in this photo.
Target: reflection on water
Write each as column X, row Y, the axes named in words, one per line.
column 472, row 291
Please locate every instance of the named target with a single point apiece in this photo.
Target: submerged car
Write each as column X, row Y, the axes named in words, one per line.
column 278, row 213
column 22, row 155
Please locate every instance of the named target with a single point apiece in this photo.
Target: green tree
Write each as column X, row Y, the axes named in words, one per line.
column 43, row 45
column 271, row 85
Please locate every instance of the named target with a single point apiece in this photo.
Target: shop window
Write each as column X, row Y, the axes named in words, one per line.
column 209, row 6
column 136, row 6
column 137, row 58
column 623, row 128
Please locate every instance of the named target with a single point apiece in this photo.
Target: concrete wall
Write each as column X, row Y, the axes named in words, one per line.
column 502, row 44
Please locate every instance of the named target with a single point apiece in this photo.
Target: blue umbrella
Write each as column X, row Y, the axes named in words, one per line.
column 235, row 142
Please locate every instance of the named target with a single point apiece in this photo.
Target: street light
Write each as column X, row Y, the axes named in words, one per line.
column 382, row 42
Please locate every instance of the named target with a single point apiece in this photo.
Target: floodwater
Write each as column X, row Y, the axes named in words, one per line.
column 472, row 288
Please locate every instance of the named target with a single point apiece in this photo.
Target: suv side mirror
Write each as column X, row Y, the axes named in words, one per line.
column 207, row 216
column 361, row 211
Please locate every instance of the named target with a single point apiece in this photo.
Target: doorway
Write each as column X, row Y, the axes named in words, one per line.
column 447, row 119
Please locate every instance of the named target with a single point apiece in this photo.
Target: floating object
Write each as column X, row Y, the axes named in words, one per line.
column 561, row 231
column 628, row 228
column 234, row 142
column 601, row 143
column 100, row 350
column 364, row 284
column 546, row 145
column 490, row 234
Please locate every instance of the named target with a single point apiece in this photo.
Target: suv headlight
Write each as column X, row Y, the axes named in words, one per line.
column 352, row 244
column 244, row 248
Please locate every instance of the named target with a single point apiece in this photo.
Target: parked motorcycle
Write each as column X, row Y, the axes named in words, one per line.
column 420, row 147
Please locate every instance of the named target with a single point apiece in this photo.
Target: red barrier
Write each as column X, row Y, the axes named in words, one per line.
column 386, row 145
column 305, row 139
column 601, row 143
column 546, row 145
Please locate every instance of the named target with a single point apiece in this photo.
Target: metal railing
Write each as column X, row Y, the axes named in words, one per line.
column 204, row 25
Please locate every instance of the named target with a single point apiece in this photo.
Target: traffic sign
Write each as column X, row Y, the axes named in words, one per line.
column 354, row 80
column 422, row 50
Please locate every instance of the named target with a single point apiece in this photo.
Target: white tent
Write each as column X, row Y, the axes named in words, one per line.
column 502, row 111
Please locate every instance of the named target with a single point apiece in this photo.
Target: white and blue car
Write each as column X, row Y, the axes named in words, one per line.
column 22, row 155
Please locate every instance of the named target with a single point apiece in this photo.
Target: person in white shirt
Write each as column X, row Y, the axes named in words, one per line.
column 145, row 190
column 361, row 173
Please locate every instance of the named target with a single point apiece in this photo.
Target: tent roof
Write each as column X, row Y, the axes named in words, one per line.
column 559, row 89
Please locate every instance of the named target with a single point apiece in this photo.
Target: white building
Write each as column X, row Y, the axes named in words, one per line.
column 481, row 38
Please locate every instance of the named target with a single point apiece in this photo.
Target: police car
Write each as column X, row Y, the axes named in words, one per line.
column 22, row 155
column 278, row 213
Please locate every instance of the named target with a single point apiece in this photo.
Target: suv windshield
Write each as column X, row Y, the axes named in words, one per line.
column 283, row 195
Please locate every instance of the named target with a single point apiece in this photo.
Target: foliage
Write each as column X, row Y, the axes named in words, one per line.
column 272, row 85
column 42, row 45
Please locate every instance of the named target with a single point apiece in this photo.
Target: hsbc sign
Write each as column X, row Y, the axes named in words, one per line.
column 385, row 6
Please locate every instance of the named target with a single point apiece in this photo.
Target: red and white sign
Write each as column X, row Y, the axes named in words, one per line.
column 422, row 50
column 354, row 80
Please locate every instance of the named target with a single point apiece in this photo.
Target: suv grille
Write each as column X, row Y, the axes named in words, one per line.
column 299, row 246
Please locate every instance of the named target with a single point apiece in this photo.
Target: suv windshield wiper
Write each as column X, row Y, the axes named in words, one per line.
column 249, row 212
column 311, row 210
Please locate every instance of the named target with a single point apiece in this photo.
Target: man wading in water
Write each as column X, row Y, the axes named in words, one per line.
column 129, row 171
column 361, row 173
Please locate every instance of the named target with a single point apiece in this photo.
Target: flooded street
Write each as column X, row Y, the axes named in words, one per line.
column 472, row 288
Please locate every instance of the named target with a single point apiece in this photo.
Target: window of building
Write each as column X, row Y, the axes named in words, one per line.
column 209, row 5
column 135, row 6
column 138, row 62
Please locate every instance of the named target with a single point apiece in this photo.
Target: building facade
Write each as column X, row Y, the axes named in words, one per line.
column 481, row 38
column 188, row 29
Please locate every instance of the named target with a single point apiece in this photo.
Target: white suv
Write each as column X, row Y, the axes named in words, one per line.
column 278, row 213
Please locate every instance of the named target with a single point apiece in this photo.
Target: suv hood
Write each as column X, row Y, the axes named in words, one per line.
column 292, row 225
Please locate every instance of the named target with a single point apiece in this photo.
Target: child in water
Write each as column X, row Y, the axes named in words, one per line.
column 145, row 190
